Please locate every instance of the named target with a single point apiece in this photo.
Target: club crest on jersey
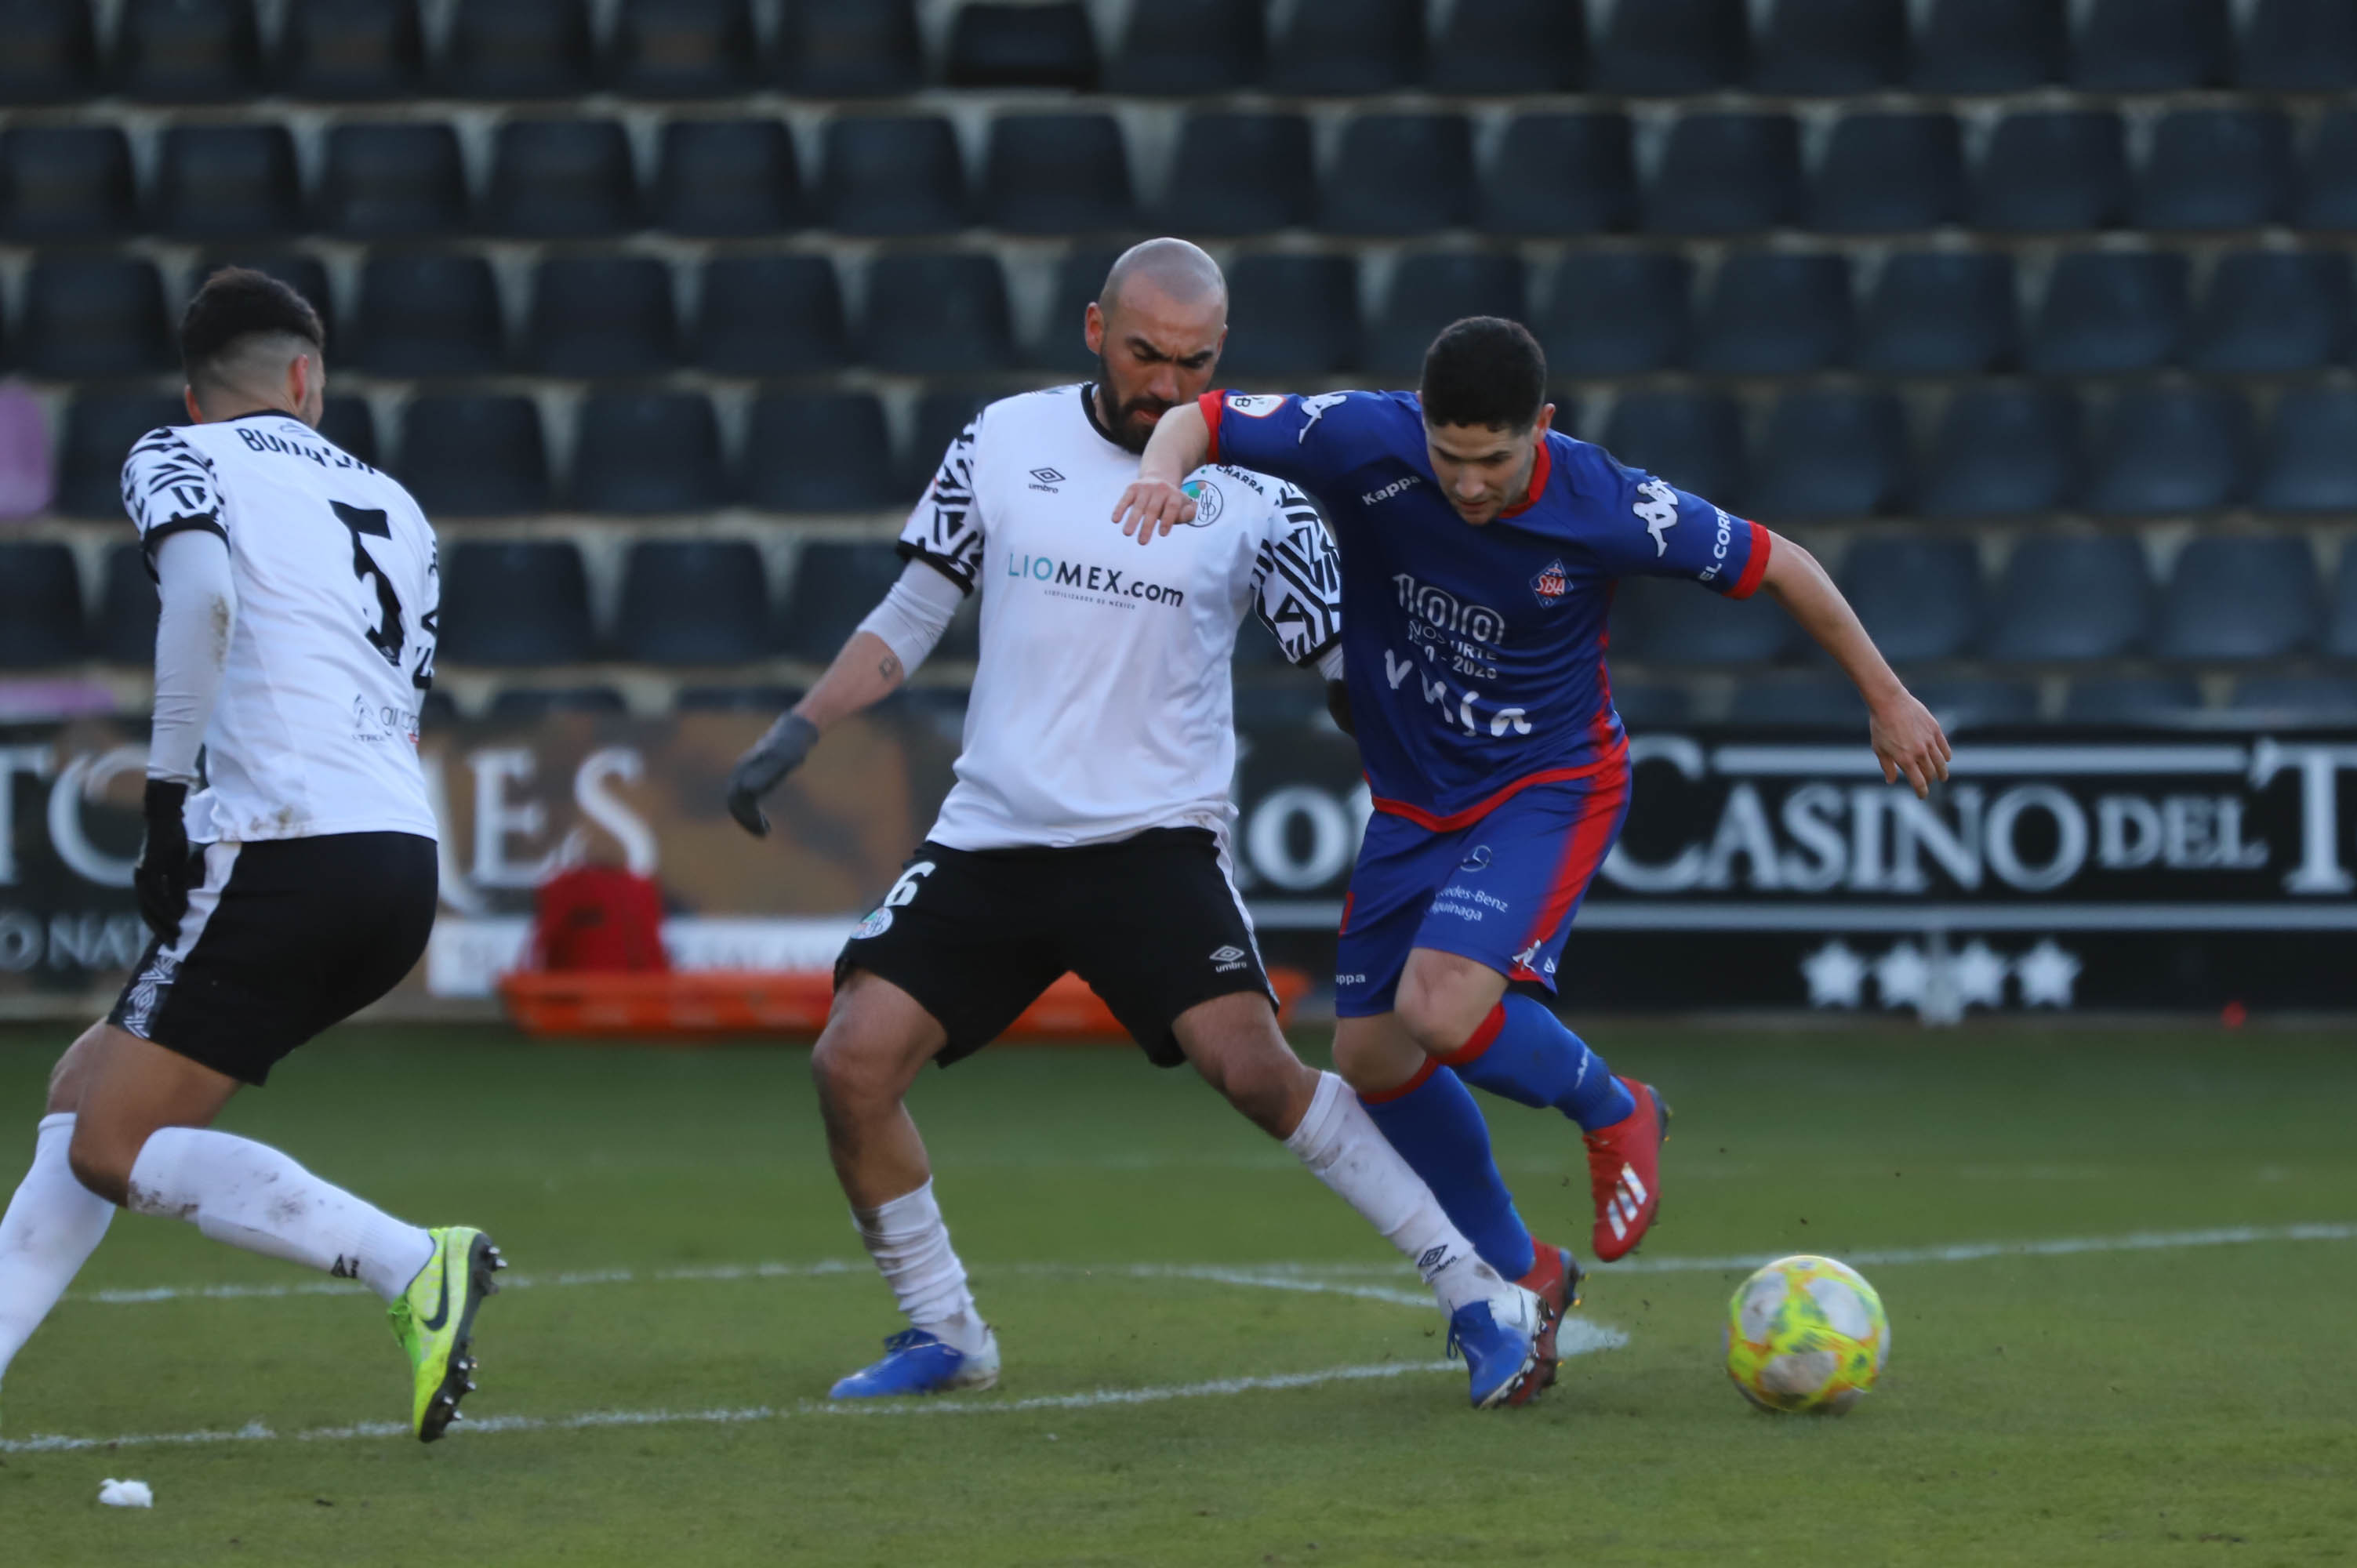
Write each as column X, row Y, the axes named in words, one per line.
column 877, row 922
column 1551, row 584
column 1209, row 502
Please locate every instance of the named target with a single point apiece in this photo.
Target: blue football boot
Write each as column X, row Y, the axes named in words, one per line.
column 916, row 1362
column 1502, row 1341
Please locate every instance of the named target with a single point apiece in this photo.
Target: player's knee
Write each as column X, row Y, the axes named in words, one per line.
column 1441, row 1002
column 72, row 1072
column 858, row 1069
column 102, row 1159
column 1269, row 1084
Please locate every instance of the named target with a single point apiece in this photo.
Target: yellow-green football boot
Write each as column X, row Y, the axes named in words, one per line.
column 434, row 1321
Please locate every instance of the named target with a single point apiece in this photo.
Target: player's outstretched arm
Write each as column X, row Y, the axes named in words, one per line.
column 1155, row 504
column 1907, row 739
column 195, row 621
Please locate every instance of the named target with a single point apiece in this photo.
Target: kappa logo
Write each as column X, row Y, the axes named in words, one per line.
column 1657, row 509
column 1228, row 958
column 1046, row 480
column 1551, row 584
column 1316, row 407
column 1376, row 497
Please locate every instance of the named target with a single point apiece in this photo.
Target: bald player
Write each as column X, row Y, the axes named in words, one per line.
column 1089, row 827
column 290, row 881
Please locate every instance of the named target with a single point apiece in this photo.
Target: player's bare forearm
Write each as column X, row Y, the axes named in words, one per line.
column 1908, row 741
column 864, row 673
column 1155, row 504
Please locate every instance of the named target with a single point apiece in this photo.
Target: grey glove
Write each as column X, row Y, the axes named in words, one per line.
column 773, row 756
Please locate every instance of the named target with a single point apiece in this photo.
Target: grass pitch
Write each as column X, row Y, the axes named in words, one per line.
column 1209, row 1361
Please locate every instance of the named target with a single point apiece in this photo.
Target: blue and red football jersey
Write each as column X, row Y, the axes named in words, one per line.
column 1475, row 655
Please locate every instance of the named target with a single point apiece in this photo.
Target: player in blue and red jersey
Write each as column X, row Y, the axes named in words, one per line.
column 1479, row 548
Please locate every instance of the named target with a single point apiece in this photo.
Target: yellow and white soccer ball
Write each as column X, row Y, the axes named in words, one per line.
column 1806, row 1334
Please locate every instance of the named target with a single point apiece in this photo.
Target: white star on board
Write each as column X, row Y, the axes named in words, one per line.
column 1903, row 975
column 1836, row 975
column 1978, row 975
column 2047, row 974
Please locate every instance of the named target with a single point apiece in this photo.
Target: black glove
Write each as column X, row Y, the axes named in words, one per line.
column 777, row 754
column 162, row 876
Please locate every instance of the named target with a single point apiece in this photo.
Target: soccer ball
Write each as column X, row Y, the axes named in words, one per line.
column 1806, row 1333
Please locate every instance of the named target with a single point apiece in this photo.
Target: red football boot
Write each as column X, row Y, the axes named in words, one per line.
column 1555, row 1278
column 1624, row 1172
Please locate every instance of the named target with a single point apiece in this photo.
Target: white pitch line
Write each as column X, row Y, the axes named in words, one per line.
column 1974, row 1252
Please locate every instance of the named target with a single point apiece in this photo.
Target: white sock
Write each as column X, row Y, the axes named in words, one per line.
column 53, row 1225
column 911, row 1247
column 251, row 1196
column 1343, row 1148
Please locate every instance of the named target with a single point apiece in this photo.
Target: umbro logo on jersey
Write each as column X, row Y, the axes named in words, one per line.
column 1046, row 480
column 1228, row 958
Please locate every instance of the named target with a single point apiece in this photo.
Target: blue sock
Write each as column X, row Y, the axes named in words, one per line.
column 1521, row 1052
column 1439, row 1131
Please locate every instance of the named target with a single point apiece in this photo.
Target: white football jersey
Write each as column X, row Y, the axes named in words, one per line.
column 315, row 730
column 1103, row 704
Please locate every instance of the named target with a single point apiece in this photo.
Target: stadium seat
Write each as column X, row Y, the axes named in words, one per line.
column 1493, row 47
column 1560, row 174
column 349, row 422
column 639, row 452
column 1695, row 440
column 2163, row 451
column 1884, row 173
column 941, row 415
column 1181, row 47
column 2299, row 45
column 86, row 318
column 2310, row 463
column 49, row 52
column 2239, row 598
column 562, row 179
column 2131, row 700
column 1347, row 48
column 767, row 701
column 351, row 52
column 518, row 48
column 125, row 632
column 2273, row 311
column 187, row 51
column 1990, row 46
column 601, row 315
column 1940, row 313
column 892, row 175
column 694, row 601
column 100, row 428
column 2003, row 451
column 1771, row 313
column 1056, row 174
column 1291, row 316
column 1831, row 452
column 66, row 182
column 2152, row 45
column 400, row 181
column 2071, row 597
column 2328, row 193
column 27, row 481
column 1920, row 598
column 1798, row 701
column 2217, row 168
column 937, row 313
column 474, row 455
column 1727, row 174
column 850, row 48
column 1400, row 174
column 1978, row 702
column 2311, row 698
column 1827, row 47
column 835, row 585
column 2054, row 171
column 819, row 452
column 771, row 315
column 40, row 605
column 305, row 275
column 513, row 602
column 727, row 179
column 2340, row 625
column 1617, row 313
column 532, row 704
column 1428, row 291
column 1663, row 621
column 1062, row 344
column 1651, row 704
column 215, row 182
column 683, row 48
column 1241, row 174
column 426, row 314
column 1031, row 44
column 1666, row 47
column 2109, row 311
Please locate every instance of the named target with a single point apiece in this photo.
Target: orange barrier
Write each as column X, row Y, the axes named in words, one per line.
column 700, row 1004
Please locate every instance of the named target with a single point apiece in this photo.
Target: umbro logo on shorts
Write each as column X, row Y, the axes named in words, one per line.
column 1228, row 958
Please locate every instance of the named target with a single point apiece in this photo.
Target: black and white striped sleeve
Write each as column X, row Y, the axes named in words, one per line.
column 945, row 530
column 1297, row 580
column 168, row 487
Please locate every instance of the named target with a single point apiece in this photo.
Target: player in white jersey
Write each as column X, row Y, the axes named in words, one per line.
column 293, row 886
column 1088, row 827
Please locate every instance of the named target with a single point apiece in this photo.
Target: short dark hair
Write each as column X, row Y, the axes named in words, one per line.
column 237, row 303
column 1484, row 371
